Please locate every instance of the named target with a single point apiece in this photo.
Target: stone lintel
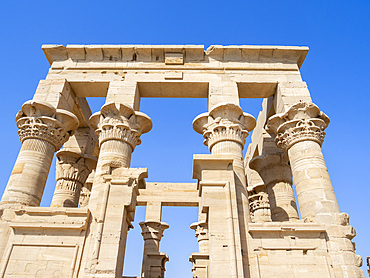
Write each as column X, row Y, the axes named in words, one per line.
column 169, row 194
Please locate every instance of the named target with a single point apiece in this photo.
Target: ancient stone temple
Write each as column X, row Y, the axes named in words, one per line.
column 250, row 222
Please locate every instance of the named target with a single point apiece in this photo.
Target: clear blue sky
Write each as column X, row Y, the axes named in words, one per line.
column 336, row 70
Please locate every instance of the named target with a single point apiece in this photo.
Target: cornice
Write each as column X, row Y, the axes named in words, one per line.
column 159, row 54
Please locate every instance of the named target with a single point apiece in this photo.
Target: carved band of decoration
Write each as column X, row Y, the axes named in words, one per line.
column 116, row 121
column 303, row 121
column 225, row 122
column 40, row 120
column 38, row 145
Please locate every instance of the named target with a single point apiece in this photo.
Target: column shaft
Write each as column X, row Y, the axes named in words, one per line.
column 86, row 190
column 28, row 178
column 282, row 201
column 115, row 150
column 315, row 192
column 277, row 176
column 300, row 132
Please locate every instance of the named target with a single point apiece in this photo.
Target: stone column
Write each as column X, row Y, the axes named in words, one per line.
column 277, row 176
column 118, row 128
column 42, row 131
column 300, row 132
column 72, row 170
column 259, row 205
column 153, row 260
column 115, row 187
column 201, row 233
column 200, row 260
column 224, row 129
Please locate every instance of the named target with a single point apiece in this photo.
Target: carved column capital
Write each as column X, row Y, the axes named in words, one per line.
column 116, row 121
column 153, row 229
column 258, row 200
column 259, row 206
column 201, row 230
column 303, row 121
column 72, row 170
column 74, row 166
column 40, row 120
column 202, row 235
column 225, row 122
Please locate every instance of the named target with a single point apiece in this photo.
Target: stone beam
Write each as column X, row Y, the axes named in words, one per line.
column 169, row 194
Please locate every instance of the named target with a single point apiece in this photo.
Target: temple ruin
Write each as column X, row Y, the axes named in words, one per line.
column 250, row 223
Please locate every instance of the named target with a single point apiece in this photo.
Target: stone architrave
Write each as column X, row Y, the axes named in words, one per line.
column 153, row 261
column 72, row 170
column 277, row 176
column 42, row 131
column 300, row 132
